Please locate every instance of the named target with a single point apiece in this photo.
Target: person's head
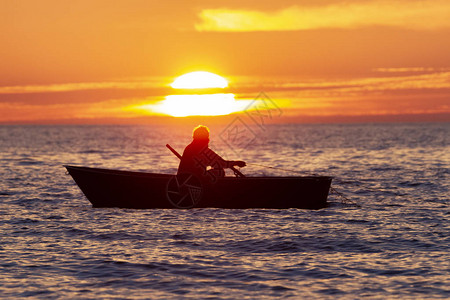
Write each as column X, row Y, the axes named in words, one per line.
column 201, row 133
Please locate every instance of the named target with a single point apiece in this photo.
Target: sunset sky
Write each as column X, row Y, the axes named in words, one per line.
column 99, row 61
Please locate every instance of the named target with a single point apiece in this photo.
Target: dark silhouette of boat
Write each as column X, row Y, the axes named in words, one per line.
column 126, row 189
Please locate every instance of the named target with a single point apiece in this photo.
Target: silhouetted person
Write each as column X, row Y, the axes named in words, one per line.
column 197, row 157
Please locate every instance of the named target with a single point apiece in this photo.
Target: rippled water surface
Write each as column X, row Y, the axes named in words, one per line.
column 388, row 238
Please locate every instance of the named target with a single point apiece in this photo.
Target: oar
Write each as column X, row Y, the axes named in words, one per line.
column 173, row 151
column 237, row 172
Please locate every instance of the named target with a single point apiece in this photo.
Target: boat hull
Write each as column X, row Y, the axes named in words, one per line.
column 142, row 190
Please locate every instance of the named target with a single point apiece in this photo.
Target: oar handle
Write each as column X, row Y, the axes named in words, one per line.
column 236, row 171
column 173, row 151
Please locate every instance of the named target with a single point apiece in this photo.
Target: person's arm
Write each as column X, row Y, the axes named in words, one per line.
column 232, row 163
column 215, row 159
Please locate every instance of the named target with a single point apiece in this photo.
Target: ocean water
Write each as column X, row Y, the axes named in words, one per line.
column 384, row 235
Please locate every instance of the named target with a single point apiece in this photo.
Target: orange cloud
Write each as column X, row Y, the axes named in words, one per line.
column 386, row 95
column 407, row 14
column 418, row 80
column 410, row 70
column 80, row 86
column 113, row 109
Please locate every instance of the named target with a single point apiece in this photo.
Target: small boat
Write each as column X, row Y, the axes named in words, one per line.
column 143, row 190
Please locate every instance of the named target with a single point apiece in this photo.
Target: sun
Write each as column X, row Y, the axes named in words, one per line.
column 203, row 102
column 199, row 80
